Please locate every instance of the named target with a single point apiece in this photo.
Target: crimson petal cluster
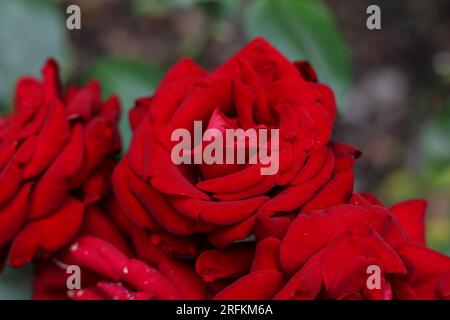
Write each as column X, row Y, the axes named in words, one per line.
column 325, row 254
column 256, row 88
column 56, row 157
column 202, row 231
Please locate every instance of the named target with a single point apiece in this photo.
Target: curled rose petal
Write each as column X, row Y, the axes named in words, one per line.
column 214, row 265
column 52, row 188
column 149, row 280
column 51, row 140
column 13, row 215
column 97, row 224
column 10, row 176
column 45, row 236
column 267, row 255
column 305, row 284
column 258, row 285
column 224, row 237
column 411, row 215
column 128, row 201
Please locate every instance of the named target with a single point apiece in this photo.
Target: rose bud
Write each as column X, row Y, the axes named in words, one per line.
column 56, row 154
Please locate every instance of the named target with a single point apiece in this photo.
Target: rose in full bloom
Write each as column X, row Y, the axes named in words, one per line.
column 326, row 254
column 257, row 89
column 56, row 157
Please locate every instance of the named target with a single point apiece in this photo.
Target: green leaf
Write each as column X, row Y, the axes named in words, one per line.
column 30, row 32
column 130, row 79
column 303, row 29
column 16, row 284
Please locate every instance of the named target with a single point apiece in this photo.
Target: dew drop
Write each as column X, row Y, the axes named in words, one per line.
column 74, row 247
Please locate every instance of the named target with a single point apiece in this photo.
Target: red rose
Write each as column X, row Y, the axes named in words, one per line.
column 255, row 89
column 50, row 150
column 326, row 254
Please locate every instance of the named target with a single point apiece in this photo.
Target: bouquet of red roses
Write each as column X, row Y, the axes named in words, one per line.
column 232, row 188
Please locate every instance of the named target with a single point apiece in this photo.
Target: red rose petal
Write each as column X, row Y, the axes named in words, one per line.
column 184, row 68
column 184, row 278
column 50, row 191
column 97, row 224
column 99, row 142
column 85, row 102
column 226, row 236
column 275, row 227
column 219, row 213
column 52, row 84
column 411, row 215
column 213, row 265
column 361, row 240
column 45, row 236
column 13, row 215
column 306, row 284
column 160, row 209
column 147, row 279
column 128, row 201
column 337, row 191
column 267, row 255
column 10, row 176
column 51, row 140
column 258, row 285
column 117, row 291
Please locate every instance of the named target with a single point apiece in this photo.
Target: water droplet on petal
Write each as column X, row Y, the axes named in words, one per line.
column 74, row 247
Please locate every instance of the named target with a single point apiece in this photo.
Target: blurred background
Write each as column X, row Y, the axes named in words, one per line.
column 392, row 85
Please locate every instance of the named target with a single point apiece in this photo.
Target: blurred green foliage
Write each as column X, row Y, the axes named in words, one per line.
column 435, row 139
column 160, row 8
column 431, row 180
column 16, row 284
column 30, row 32
column 214, row 8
